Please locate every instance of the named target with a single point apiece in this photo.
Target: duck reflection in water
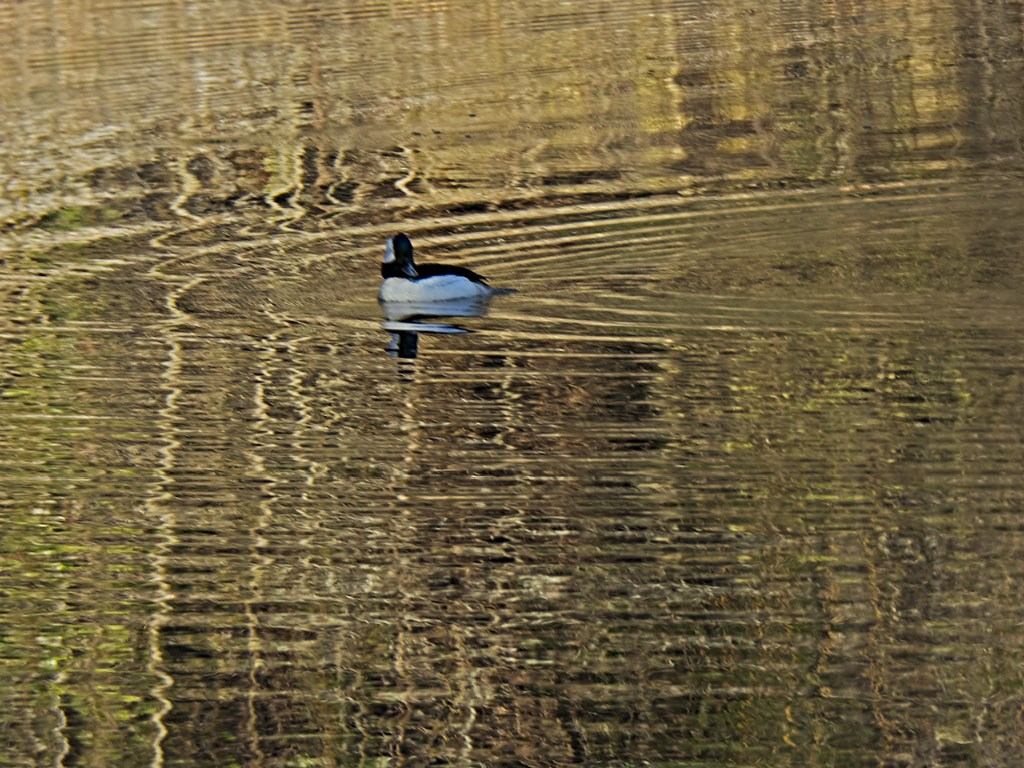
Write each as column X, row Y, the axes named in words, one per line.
column 413, row 294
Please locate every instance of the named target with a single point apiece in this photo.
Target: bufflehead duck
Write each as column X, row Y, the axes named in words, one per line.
column 406, row 282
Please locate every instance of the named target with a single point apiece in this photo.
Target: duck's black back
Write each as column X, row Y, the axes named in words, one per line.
column 392, row 269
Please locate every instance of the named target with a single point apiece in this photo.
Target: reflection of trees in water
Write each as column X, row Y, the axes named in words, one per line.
column 562, row 557
column 832, row 443
column 315, row 122
column 592, row 543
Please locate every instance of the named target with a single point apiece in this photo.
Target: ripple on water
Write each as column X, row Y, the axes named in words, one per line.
column 735, row 463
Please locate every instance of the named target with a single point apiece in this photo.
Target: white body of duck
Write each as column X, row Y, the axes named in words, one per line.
column 408, row 283
column 432, row 289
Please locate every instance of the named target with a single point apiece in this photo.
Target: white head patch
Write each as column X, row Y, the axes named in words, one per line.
column 389, row 251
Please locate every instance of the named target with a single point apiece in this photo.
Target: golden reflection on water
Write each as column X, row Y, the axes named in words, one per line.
column 733, row 478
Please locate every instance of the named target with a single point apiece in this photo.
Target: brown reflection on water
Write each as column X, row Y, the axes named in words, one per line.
column 162, row 112
column 733, row 478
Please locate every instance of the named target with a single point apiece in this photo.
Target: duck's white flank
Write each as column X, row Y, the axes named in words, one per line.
column 432, row 289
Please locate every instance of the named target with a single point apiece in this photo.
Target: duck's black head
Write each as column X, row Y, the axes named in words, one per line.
column 398, row 251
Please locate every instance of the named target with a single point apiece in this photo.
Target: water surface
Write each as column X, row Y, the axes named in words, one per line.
column 732, row 479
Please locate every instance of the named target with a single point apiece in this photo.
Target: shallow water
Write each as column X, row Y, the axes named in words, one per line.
column 732, row 479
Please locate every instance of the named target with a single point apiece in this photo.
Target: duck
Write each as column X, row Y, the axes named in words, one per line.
column 406, row 282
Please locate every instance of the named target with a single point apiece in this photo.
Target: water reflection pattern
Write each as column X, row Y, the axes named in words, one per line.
column 734, row 478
